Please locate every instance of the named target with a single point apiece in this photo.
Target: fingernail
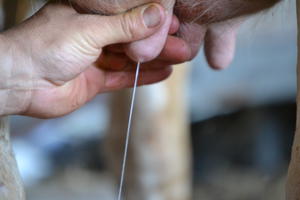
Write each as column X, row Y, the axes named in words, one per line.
column 152, row 16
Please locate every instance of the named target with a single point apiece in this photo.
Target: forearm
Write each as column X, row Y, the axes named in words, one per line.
column 15, row 81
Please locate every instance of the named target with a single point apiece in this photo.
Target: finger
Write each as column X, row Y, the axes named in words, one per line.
column 176, row 51
column 116, row 48
column 152, row 65
column 112, row 61
column 150, row 47
column 174, row 25
column 156, row 65
column 125, row 79
column 114, row 80
column 137, row 24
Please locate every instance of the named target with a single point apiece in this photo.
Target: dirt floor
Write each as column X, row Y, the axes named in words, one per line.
column 234, row 185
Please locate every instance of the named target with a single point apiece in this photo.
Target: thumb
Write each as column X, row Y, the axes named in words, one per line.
column 136, row 24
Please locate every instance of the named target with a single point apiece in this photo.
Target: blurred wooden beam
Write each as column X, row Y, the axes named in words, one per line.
column 10, row 13
column 22, row 9
column 10, row 182
column 15, row 11
column 293, row 182
column 159, row 164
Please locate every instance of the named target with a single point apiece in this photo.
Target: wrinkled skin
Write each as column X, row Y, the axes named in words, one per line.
column 209, row 22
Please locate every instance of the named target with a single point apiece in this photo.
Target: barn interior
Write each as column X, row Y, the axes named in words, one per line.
column 240, row 129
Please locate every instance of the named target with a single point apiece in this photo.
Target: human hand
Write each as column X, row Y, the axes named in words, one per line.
column 175, row 51
column 51, row 62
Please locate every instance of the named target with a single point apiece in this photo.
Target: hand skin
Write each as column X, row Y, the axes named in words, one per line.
column 175, row 51
column 52, row 64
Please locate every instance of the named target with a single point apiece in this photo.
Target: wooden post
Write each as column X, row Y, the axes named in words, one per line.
column 10, row 182
column 293, row 182
column 159, row 159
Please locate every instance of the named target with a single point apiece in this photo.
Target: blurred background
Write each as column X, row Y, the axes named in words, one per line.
column 241, row 123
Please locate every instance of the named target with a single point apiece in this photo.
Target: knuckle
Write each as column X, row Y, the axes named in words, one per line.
column 128, row 25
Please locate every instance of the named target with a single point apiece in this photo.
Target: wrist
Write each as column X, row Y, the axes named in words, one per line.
column 15, row 80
